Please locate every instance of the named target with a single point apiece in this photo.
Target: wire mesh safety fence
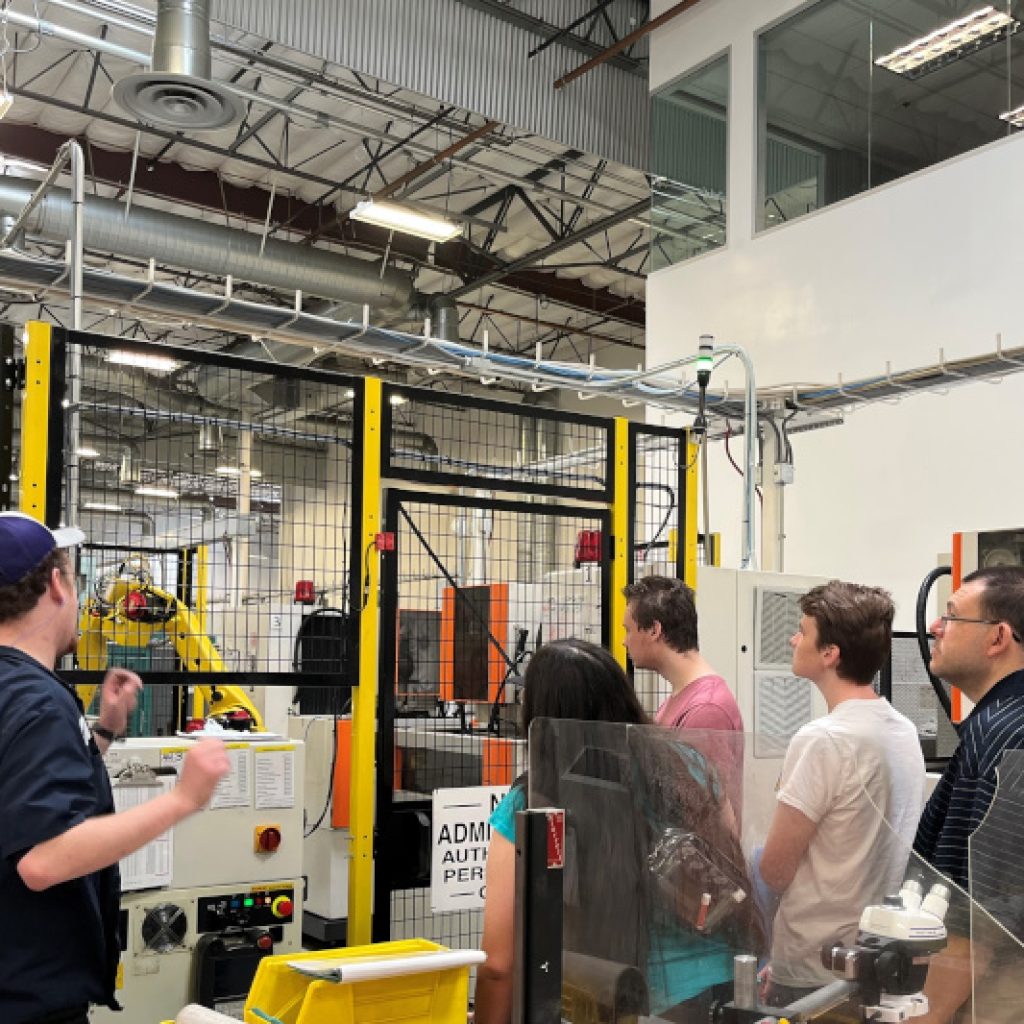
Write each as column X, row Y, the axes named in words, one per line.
column 474, row 588
column 216, row 498
column 475, row 442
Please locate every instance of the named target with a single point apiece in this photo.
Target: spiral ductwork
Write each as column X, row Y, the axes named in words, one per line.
column 207, row 248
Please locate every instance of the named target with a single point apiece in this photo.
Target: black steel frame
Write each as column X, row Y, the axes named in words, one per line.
column 8, row 390
column 395, row 499
column 637, row 431
column 496, row 483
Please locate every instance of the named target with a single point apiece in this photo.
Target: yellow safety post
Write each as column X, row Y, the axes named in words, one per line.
column 689, row 511
column 362, row 791
column 621, row 555
column 202, row 581
column 35, row 420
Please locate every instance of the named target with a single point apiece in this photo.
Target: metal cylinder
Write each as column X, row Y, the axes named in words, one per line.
column 744, row 981
column 182, row 41
column 131, row 471
column 211, row 438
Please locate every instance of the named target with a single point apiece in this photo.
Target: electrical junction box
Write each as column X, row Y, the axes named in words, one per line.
column 214, row 847
column 782, row 473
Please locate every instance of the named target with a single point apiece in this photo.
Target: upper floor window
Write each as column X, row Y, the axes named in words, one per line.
column 857, row 93
column 689, row 120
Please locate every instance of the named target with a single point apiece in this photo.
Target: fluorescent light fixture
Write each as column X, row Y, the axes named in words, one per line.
column 156, row 492
column 255, row 474
column 162, row 364
column 397, row 217
column 398, row 399
column 101, row 506
column 85, row 452
column 943, row 46
column 1014, row 117
column 6, row 102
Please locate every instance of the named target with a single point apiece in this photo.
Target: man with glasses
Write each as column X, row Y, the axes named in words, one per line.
column 978, row 648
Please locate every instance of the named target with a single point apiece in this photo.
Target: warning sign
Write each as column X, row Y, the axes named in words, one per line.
column 461, row 837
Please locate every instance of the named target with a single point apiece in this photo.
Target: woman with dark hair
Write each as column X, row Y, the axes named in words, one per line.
column 567, row 679
column 636, row 907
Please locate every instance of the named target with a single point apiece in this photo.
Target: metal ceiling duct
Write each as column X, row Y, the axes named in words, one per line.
column 207, row 248
column 177, row 91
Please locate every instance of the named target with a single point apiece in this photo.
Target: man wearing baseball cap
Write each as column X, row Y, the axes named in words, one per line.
column 60, row 840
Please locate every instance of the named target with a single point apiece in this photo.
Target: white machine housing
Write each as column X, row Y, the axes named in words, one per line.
column 214, row 862
column 746, row 621
column 326, row 850
column 217, row 846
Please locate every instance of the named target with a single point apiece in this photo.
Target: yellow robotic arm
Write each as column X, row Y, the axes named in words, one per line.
column 130, row 614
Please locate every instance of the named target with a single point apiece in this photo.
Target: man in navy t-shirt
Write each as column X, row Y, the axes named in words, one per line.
column 979, row 647
column 60, row 841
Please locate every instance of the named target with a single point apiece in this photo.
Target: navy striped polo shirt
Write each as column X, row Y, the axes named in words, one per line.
column 962, row 798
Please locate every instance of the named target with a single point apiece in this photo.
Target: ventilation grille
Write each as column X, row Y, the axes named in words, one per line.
column 778, row 615
column 171, row 100
column 912, row 695
column 164, row 928
column 782, row 703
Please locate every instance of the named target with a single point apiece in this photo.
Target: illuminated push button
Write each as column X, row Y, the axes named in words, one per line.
column 268, row 838
column 282, row 907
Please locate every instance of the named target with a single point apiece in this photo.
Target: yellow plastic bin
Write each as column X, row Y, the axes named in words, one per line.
column 440, row 996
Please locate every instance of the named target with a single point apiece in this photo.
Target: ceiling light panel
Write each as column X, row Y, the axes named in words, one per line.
column 408, row 220
column 962, row 37
column 161, row 364
column 156, row 492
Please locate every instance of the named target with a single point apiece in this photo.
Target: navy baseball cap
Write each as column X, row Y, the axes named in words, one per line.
column 25, row 542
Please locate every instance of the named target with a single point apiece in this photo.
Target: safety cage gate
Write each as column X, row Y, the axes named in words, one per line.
column 522, row 527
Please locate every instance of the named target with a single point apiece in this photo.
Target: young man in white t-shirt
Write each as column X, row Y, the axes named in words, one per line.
column 851, row 790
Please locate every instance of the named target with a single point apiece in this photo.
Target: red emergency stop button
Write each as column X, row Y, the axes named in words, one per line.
column 264, row 942
column 268, row 838
column 282, row 907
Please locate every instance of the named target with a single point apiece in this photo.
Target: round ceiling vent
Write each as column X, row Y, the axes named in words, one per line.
column 172, row 100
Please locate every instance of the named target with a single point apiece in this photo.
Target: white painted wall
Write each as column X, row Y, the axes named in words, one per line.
column 928, row 262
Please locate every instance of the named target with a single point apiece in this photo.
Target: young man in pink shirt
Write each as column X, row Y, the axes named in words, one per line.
column 661, row 634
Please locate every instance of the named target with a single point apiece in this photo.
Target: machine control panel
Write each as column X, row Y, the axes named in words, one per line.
column 245, row 909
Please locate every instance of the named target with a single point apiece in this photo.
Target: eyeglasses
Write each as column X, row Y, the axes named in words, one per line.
column 947, row 619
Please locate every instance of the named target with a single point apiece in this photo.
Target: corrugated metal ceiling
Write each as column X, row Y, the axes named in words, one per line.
column 372, row 132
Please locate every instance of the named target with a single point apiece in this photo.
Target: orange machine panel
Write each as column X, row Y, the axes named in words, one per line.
column 340, row 810
column 955, row 696
column 488, row 659
column 499, row 761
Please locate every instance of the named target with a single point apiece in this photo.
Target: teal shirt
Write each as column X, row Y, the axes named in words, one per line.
column 503, row 817
column 680, row 965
